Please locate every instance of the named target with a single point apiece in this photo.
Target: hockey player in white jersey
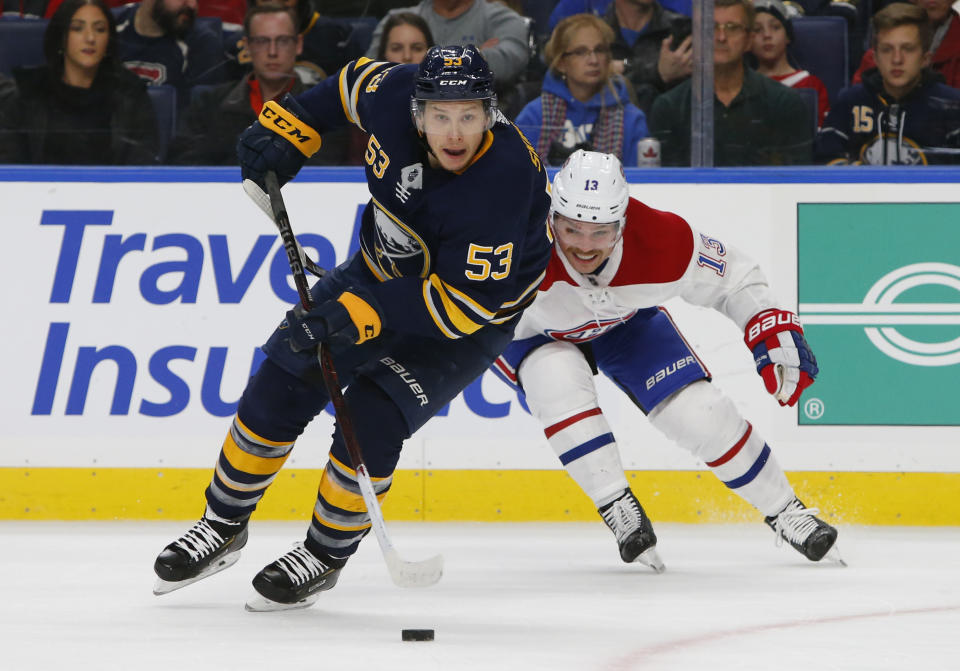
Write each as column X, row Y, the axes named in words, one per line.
column 615, row 261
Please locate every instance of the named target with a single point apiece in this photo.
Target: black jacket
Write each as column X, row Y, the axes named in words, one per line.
column 643, row 57
column 46, row 121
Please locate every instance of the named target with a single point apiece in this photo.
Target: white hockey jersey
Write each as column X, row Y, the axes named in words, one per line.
column 659, row 256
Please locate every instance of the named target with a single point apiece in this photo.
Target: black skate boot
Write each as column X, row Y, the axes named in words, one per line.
column 809, row 535
column 633, row 530
column 295, row 580
column 208, row 547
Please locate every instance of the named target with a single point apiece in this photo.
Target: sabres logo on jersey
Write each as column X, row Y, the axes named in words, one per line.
column 589, row 331
column 393, row 249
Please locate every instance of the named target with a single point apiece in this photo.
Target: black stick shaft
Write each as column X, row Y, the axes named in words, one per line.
column 330, row 379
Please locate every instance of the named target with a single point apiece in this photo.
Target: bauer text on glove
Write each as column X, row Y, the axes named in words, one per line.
column 781, row 354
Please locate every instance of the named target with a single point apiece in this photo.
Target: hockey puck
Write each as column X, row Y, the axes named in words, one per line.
column 416, row 634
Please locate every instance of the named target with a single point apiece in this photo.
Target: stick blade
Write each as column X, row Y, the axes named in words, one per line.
column 414, row 573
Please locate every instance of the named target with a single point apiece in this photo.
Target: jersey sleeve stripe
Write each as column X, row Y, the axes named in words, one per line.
column 349, row 85
column 526, row 292
column 460, row 321
column 434, row 314
column 481, row 311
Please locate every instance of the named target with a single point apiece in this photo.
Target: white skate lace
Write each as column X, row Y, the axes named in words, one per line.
column 200, row 540
column 795, row 524
column 624, row 517
column 301, row 565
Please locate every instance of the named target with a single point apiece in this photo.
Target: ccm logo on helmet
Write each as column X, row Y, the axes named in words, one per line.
column 453, row 82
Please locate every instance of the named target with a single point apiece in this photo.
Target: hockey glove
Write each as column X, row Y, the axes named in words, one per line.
column 281, row 139
column 351, row 319
column 781, row 353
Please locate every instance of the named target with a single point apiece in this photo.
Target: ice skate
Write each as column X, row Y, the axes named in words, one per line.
column 633, row 530
column 208, row 547
column 295, row 580
column 809, row 535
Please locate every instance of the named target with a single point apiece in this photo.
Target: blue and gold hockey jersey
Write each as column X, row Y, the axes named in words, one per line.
column 447, row 252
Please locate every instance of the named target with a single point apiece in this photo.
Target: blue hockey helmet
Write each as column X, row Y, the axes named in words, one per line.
column 453, row 73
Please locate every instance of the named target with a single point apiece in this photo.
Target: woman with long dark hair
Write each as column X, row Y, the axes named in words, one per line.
column 81, row 107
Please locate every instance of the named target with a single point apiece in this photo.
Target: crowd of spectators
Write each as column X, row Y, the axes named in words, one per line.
column 610, row 75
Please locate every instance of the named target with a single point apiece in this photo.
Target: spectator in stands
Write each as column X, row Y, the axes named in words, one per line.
column 158, row 41
column 499, row 32
column 405, row 38
column 210, row 126
column 81, row 107
column 652, row 48
column 945, row 44
column 902, row 113
column 583, row 104
column 772, row 32
column 756, row 121
column 327, row 43
column 566, row 8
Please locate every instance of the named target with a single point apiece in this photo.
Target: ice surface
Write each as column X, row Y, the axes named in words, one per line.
column 514, row 596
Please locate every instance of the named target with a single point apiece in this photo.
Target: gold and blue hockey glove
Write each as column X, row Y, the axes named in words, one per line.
column 351, row 319
column 281, row 139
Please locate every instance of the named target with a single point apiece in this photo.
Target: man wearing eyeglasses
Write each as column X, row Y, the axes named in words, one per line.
column 757, row 121
column 217, row 116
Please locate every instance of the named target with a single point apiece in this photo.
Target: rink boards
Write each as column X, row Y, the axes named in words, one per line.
column 135, row 302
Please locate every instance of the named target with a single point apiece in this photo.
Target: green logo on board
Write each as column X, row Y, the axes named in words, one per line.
column 879, row 293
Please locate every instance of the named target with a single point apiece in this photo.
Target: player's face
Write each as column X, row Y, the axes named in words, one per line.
column 87, row 38
column 454, row 131
column 900, row 58
column 586, row 60
column 731, row 34
column 585, row 245
column 273, row 44
column 769, row 38
column 405, row 44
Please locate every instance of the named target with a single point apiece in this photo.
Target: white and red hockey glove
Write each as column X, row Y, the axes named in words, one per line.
column 782, row 355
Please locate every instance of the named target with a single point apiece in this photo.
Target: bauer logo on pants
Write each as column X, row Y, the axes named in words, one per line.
column 879, row 293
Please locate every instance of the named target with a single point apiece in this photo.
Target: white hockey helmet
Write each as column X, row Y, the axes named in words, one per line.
column 591, row 187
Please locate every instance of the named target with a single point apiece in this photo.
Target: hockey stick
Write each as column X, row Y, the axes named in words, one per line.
column 403, row 573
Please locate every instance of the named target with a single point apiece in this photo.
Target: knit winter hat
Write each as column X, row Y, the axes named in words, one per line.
column 777, row 10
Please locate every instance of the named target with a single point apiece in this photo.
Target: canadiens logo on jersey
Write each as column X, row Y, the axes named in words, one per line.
column 589, row 331
column 152, row 73
column 411, row 177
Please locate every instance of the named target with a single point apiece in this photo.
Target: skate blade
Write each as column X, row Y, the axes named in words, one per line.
column 261, row 604
column 166, row 586
column 834, row 556
column 651, row 558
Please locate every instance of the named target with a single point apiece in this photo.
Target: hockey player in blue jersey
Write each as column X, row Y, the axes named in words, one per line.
column 453, row 246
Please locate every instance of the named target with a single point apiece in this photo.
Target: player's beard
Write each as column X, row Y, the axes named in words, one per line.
column 177, row 24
